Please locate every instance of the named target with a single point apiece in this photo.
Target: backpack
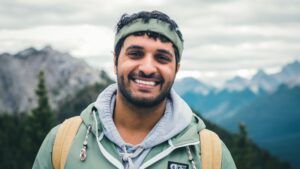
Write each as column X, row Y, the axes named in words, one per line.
column 210, row 146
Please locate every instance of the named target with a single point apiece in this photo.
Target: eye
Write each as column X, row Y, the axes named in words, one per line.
column 135, row 54
column 163, row 58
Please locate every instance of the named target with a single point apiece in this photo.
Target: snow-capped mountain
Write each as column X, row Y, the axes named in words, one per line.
column 263, row 81
column 237, row 83
column 289, row 75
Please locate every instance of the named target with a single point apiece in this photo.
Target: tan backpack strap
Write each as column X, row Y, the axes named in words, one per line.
column 63, row 140
column 211, row 150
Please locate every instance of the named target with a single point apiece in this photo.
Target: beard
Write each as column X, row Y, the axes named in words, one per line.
column 143, row 102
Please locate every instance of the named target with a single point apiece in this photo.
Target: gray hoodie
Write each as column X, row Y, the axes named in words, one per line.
column 177, row 116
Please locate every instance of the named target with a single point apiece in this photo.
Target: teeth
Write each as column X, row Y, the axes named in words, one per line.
column 145, row 82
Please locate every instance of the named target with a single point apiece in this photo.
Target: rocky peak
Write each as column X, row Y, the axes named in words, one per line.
column 261, row 74
column 291, row 69
column 64, row 75
column 26, row 53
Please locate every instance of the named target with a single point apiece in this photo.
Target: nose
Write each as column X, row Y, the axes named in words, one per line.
column 147, row 65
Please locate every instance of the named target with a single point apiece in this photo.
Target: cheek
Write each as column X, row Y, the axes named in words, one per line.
column 124, row 68
column 169, row 73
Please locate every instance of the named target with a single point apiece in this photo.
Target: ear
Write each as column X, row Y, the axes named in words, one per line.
column 115, row 66
column 177, row 67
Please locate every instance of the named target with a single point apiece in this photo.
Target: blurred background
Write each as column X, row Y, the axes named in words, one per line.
column 240, row 71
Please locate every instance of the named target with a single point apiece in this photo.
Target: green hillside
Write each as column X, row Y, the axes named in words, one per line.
column 215, row 104
column 246, row 154
column 273, row 122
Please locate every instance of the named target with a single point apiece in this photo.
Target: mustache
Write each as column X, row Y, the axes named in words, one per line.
column 152, row 76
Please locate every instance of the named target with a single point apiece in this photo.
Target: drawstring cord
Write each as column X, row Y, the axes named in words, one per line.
column 127, row 157
column 190, row 157
column 83, row 152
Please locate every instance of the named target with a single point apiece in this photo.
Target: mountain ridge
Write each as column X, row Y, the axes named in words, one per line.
column 289, row 74
column 18, row 74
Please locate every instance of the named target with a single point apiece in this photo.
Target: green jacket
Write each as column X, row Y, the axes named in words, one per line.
column 104, row 154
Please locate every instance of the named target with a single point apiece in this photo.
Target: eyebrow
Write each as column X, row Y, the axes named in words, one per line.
column 141, row 48
column 134, row 47
column 164, row 51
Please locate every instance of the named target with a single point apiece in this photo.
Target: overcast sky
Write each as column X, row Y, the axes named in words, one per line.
column 223, row 38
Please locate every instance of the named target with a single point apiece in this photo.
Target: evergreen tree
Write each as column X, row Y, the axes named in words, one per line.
column 41, row 119
column 245, row 150
column 11, row 134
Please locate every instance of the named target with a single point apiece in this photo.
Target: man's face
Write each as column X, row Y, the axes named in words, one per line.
column 146, row 70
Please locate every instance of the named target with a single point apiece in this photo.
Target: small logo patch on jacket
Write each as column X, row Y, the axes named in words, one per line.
column 175, row 165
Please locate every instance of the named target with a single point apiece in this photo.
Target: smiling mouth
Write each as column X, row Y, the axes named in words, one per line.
column 146, row 80
column 143, row 82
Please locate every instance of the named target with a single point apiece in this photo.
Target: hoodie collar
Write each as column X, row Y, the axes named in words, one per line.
column 176, row 118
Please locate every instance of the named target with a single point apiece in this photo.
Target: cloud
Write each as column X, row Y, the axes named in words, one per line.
column 80, row 40
column 222, row 37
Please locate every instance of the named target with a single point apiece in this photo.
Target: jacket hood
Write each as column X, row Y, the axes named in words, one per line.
column 177, row 117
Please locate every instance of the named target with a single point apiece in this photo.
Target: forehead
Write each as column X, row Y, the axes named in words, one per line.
column 147, row 43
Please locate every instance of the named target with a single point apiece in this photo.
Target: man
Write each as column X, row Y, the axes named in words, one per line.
column 140, row 122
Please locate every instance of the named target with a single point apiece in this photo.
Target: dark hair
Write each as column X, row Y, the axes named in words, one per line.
column 146, row 16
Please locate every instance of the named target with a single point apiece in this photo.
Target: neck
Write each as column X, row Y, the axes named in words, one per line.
column 134, row 123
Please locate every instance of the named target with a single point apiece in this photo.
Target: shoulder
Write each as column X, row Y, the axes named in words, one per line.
column 227, row 160
column 44, row 156
column 49, row 139
column 67, row 129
